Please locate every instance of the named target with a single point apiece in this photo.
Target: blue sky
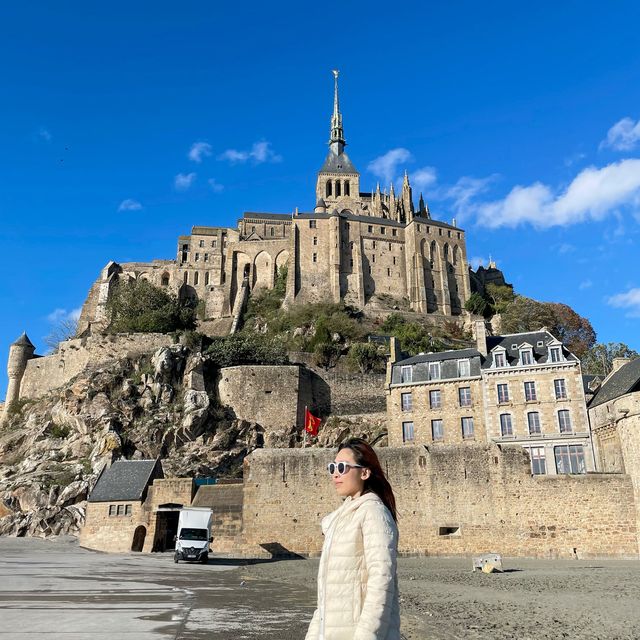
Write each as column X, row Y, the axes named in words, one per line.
column 522, row 121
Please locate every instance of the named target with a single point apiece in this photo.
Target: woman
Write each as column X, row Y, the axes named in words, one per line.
column 357, row 583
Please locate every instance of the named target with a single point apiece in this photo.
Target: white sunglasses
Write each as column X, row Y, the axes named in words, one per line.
column 342, row 467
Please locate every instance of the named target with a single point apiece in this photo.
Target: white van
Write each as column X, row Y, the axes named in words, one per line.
column 194, row 535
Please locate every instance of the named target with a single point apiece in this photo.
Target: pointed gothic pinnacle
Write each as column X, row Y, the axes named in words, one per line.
column 406, row 178
column 336, row 105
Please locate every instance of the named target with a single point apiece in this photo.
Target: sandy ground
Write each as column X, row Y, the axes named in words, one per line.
column 441, row 599
column 55, row 590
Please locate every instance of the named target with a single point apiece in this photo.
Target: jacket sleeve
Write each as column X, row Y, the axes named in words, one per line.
column 313, row 633
column 380, row 540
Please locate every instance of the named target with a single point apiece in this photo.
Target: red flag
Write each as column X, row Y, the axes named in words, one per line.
column 311, row 423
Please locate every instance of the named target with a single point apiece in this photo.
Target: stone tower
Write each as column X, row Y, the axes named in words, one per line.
column 337, row 178
column 20, row 352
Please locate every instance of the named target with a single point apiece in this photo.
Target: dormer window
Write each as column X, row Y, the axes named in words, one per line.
column 406, row 373
column 464, row 368
column 499, row 359
column 555, row 354
column 526, row 357
column 434, row 371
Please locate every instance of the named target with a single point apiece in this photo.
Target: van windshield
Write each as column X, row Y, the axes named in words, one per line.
column 193, row 534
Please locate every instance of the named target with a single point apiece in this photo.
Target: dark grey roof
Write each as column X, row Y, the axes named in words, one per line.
column 434, row 222
column 624, row 380
column 587, row 379
column 457, row 354
column 540, row 353
column 126, row 480
column 23, row 341
column 206, row 231
column 267, row 216
column 338, row 163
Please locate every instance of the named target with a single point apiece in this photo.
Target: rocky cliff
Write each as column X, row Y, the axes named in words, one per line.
column 163, row 404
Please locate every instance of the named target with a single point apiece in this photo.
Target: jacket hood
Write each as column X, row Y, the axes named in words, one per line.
column 348, row 506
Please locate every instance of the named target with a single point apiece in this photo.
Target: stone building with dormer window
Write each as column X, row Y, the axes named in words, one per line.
column 523, row 388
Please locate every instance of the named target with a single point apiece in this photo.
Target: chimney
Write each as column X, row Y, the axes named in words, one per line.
column 618, row 363
column 394, row 349
column 480, row 330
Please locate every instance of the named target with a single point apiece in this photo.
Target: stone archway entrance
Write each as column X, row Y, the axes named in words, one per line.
column 138, row 538
column 166, row 527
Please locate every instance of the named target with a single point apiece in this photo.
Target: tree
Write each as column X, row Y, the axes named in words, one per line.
column 499, row 296
column 524, row 314
column 65, row 329
column 138, row 306
column 476, row 304
column 598, row 360
column 364, row 357
column 574, row 331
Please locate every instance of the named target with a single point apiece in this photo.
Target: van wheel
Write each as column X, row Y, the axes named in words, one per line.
column 205, row 560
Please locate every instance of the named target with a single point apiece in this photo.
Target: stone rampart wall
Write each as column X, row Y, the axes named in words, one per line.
column 74, row 356
column 453, row 500
column 350, row 393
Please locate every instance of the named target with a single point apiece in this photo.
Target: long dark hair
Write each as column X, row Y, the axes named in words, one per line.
column 377, row 482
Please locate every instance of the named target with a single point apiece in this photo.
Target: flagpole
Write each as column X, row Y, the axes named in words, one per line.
column 304, row 437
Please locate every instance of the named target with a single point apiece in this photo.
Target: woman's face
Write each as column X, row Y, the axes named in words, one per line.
column 352, row 482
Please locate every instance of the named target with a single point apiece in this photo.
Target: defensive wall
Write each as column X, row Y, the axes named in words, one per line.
column 451, row 500
column 273, row 396
column 46, row 373
column 352, row 393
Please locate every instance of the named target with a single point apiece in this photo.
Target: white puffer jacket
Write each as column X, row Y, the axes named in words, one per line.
column 357, row 583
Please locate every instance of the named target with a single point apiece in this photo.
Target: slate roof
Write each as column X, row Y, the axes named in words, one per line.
column 512, row 341
column 335, row 163
column 266, row 216
column 457, row 354
column 624, row 380
column 23, row 341
column 126, row 480
column 540, row 353
column 587, row 379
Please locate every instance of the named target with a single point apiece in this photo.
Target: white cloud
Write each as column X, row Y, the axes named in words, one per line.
column 565, row 248
column 129, row 205
column 585, row 284
column 629, row 300
column 423, row 178
column 183, row 181
column 44, row 134
column 198, row 151
column 62, row 315
column 260, row 152
column 623, row 136
column 463, row 192
column 593, row 194
column 386, row 166
column 216, row 187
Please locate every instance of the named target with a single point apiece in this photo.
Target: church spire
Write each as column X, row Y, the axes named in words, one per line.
column 336, row 141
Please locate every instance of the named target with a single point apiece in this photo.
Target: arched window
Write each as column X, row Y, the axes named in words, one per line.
column 337, row 188
column 186, row 277
column 206, row 278
column 165, row 280
column 195, row 278
column 328, row 187
column 346, row 188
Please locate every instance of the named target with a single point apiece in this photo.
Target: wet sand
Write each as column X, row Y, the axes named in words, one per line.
column 441, row 599
column 56, row 590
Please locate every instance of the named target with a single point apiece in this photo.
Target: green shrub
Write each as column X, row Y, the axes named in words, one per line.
column 326, row 355
column 364, row 357
column 59, row 431
column 246, row 348
column 140, row 307
column 476, row 304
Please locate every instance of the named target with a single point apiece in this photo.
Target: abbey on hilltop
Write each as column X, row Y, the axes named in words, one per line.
column 366, row 249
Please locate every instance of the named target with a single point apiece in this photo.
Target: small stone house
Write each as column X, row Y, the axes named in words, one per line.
column 134, row 508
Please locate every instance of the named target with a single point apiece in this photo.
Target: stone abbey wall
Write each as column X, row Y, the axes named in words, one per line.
column 451, row 500
column 74, row 356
